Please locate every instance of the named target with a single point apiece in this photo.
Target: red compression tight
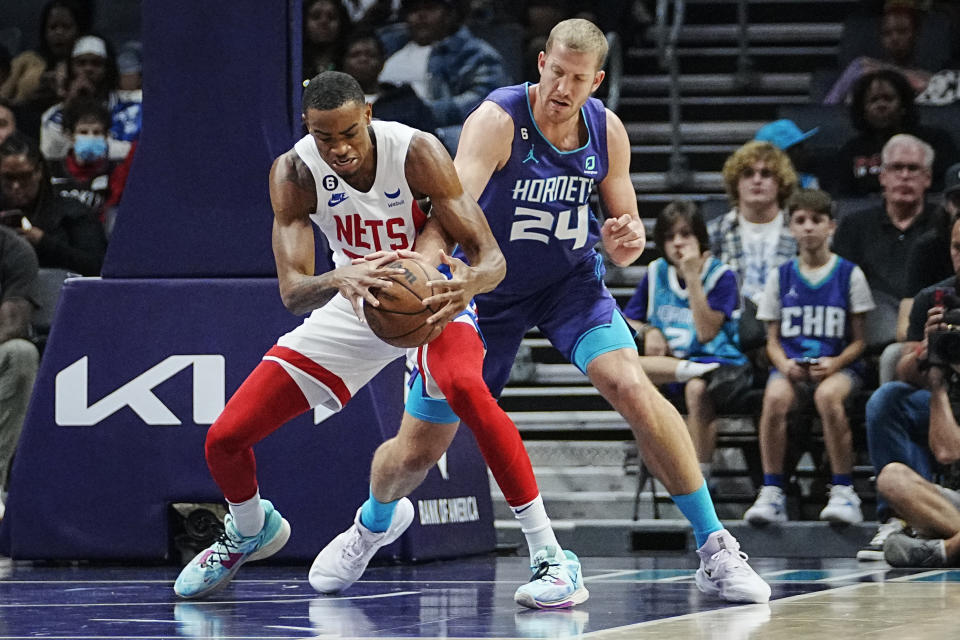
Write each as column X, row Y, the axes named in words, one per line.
column 267, row 399
column 455, row 359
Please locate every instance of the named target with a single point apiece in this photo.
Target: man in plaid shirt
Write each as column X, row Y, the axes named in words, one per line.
column 753, row 237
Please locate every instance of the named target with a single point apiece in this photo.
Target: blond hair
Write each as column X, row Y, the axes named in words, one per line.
column 580, row 35
column 749, row 154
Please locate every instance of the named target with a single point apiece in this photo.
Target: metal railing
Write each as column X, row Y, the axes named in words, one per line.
column 672, row 11
column 744, row 76
column 614, row 68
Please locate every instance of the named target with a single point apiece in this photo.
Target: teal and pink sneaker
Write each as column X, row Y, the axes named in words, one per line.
column 557, row 581
column 212, row 569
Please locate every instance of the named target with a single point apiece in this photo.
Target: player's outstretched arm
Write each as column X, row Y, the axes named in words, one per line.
column 622, row 233
column 293, row 196
column 431, row 172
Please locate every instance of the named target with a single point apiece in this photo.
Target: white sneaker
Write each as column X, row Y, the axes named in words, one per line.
column 557, row 581
column 724, row 571
column 874, row 549
column 343, row 561
column 843, row 507
column 770, row 506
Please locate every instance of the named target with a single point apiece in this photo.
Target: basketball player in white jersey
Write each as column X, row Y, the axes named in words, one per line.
column 359, row 182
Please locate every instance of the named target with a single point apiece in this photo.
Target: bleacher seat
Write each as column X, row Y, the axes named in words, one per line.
column 50, row 282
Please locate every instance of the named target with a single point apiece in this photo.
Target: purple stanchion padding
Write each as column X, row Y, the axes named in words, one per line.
column 220, row 104
column 134, row 373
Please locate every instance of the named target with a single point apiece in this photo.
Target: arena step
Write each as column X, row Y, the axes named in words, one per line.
column 643, row 537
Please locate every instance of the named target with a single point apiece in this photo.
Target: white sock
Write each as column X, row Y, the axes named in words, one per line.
column 706, row 468
column 535, row 525
column 687, row 369
column 248, row 516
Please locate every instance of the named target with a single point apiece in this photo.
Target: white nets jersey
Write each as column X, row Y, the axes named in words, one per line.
column 357, row 223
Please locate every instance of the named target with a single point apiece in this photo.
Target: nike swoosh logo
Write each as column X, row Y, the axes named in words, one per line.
column 519, row 511
column 395, row 194
column 336, row 199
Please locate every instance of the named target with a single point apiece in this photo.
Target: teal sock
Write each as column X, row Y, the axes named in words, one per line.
column 375, row 515
column 697, row 507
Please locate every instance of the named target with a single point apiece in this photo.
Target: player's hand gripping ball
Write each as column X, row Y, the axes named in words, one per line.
column 401, row 318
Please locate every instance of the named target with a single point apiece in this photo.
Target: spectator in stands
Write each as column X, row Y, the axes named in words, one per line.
column 450, row 69
column 8, row 120
column 35, row 75
column 19, row 357
column 753, row 237
column 927, row 263
column 882, row 107
column 880, row 239
column 788, row 137
column 86, row 173
column 130, row 67
column 899, row 28
column 912, row 422
column 815, row 306
column 63, row 232
column 363, row 59
column 325, row 25
column 684, row 309
column 92, row 73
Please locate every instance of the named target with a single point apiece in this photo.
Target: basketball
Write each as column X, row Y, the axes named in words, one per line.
column 401, row 319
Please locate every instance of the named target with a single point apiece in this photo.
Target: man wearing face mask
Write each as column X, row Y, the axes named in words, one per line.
column 87, row 173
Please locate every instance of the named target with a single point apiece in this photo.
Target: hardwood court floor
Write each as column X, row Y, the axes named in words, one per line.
column 631, row 597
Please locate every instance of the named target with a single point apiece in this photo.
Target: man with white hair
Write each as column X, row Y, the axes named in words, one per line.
column 879, row 239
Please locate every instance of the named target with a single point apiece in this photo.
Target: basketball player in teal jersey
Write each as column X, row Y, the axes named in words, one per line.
column 531, row 155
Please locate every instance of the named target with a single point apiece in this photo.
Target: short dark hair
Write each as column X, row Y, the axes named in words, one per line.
column 76, row 110
column 899, row 83
column 676, row 211
column 810, row 200
column 362, row 33
column 331, row 90
column 18, row 144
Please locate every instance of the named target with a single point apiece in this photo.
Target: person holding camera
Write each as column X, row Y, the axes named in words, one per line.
column 814, row 306
column 912, row 432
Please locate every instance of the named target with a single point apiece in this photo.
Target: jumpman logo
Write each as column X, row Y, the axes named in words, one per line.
column 530, row 157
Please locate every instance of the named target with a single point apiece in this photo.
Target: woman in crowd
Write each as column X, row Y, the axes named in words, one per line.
column 882, row 107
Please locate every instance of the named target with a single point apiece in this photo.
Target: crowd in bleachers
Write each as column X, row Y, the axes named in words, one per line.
column 70, row 115
column 712, row 324
column 862, row 250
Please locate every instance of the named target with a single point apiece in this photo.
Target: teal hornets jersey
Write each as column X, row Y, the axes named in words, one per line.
column 668, row 309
